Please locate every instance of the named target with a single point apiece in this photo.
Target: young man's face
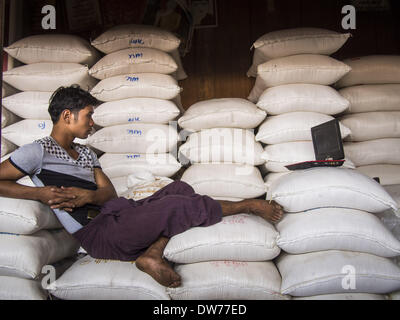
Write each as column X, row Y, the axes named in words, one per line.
column 82, row 122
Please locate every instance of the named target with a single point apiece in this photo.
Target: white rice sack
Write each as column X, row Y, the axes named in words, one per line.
column 293, row 126
column 373, row 97
column 258, row 58
column 225, row 180
column 7, row 90
column 26, row 216
column 7, row 147
column 98, row 279
column 271, row 177
column 29, row 104
column 133, row 35
column 23, row 256
column 388, row 218
column 119, row 165
column 314, row 188
column 298, row 69
column 144, row 85
column 21, row 289
column 120, row 185
column 228, row 280
column 178, row 102
column 28, row 130
column 222, row 113
column 139, row 189
column 295, row 41
column 388, row 174
column 345, row 296
column 304, row 68
column 8, row 118
column 133, row 60
column 135, row 138
column 223, row 145
column 180, row 73
column 373, row 69
column 379, row 151
column 302, row 97
column 279, row 155
column 139, row 185
column 372, row 125
column 228, row 199
column 53, row 48
column 135, row 110
column 336, row 229
column 394, row 191
column 241, row 237
column 328, row 272
column 48, row 77
column 5, row 157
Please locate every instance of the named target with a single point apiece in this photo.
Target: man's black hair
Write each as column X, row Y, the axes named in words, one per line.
column 72, row 98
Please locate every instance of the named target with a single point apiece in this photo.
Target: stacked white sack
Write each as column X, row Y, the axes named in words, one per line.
column 144, row 36
column 31, row 238
column 373, row 90
column 391, row 221
column 51, row 61
column 7, row 118
column 298, row 55
column 231, row 259
column 290, row 42
column 137, row 88
column 228, row 260
column 294, row 74
column 222, row 149
column 354, row 250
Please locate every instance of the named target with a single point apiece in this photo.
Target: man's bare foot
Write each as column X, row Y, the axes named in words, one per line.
column 158, row 268
column 270, row 211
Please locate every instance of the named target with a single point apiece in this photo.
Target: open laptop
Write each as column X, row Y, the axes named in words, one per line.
column 328, row 147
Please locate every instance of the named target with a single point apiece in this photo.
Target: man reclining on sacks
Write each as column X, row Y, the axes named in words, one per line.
column 68, row 177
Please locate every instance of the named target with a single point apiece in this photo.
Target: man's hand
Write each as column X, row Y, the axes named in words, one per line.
column 69, row 198
column 53, row 195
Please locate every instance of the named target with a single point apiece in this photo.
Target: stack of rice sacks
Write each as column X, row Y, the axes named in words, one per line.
column 140, row 96
column 139, row 141
column 329, row 229
column 335, row 247
column 373, row 90
column 7, row 118
column 31, row 236
column 231, row 259
column 51, row 61
column 293, row 87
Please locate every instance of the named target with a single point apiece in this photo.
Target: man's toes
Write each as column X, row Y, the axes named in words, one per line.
column 277, row 217
column 174, row 284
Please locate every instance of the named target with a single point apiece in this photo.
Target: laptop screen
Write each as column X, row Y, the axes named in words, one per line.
column 327, row 141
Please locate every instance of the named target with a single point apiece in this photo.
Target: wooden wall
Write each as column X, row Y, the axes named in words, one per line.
column 220, row 57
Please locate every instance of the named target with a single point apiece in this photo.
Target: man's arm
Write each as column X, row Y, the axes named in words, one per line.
column 105, row 191
column 9, row 174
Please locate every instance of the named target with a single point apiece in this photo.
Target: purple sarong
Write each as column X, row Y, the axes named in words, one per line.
column 125, row 228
